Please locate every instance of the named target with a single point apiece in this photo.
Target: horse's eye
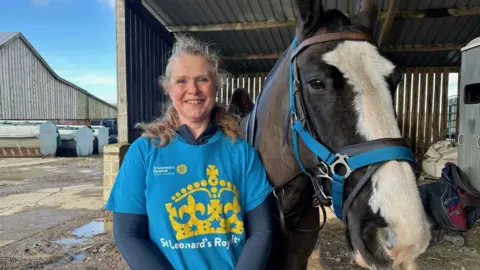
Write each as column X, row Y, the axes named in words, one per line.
column 317, row 84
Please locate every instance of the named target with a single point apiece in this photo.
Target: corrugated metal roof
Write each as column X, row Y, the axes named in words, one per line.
column 404, row 32
column 5, row 36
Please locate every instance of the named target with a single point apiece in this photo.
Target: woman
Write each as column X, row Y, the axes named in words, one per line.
column 191, row 194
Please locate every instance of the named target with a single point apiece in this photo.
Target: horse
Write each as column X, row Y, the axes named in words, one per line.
column 325, row 129
column 240, row 96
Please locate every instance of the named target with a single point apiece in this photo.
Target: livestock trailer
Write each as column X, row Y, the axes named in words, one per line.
column 469, row 109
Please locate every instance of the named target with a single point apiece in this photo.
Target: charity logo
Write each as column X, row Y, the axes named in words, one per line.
column 182, row 169
column 205, row 207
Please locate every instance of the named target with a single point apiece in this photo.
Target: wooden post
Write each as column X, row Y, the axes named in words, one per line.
column 251, row 86
column 387, row 23
column 429, row 100
column 122, row 114
column 421, row 113
column 414, row 117
column 407, row 100
column 401, row 93
column 436, row 106
column 443, row 122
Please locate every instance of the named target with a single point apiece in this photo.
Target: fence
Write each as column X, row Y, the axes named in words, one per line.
column 425, row 113
column 422, row 107
column 252, row 82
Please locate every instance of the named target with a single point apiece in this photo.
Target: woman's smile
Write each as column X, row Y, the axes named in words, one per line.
column 194, row 101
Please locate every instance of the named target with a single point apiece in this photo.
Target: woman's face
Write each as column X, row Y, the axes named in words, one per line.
column 192, row 89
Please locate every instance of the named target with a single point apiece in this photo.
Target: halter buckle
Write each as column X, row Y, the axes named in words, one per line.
column 342, row 161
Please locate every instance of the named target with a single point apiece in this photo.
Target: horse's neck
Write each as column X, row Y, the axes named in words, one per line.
column 272, row 130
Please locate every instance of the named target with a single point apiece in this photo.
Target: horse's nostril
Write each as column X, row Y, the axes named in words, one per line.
column 389, row 238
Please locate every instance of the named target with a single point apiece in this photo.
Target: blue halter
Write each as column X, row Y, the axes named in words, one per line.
column 330, row 159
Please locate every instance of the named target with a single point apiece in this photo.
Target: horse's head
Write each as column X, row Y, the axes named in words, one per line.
column 347, row 89
column 240, row 102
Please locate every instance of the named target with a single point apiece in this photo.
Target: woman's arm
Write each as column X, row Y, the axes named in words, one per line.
column 257, row 246
column 132, row 240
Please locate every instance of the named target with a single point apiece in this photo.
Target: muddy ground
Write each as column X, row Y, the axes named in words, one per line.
column 51, row 217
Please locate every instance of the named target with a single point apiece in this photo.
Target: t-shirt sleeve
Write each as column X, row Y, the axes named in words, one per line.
column 128, row 192
column 257, row 185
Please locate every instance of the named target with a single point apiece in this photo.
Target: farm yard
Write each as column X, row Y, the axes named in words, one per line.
column 51, row 217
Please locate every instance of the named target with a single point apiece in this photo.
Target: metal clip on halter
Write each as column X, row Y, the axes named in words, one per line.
column 323, row 199
column 342, row 161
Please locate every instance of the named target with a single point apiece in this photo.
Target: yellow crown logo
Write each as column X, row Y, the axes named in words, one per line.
column 193, row 218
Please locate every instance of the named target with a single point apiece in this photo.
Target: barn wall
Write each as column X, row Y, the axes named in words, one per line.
column 28, row 90
column 147, row 45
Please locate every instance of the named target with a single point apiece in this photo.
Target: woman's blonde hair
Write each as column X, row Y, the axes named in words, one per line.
column 165, row 128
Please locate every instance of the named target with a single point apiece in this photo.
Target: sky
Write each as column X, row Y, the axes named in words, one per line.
column 75, row 37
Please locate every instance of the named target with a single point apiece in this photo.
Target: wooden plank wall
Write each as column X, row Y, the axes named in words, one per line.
column 421, row 106
column 253, row 82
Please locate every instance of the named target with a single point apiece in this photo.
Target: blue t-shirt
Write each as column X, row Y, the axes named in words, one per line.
column 194, row 195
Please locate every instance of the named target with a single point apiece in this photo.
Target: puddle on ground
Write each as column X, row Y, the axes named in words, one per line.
column 90, row 229
column 70, row 241
column 78, row 257
column 82, row 234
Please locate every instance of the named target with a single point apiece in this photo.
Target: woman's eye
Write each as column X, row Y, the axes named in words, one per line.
column 203, row 80
column 180, row 81
column 317, row 84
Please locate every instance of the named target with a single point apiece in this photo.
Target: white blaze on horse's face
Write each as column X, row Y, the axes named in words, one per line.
column 395, row 193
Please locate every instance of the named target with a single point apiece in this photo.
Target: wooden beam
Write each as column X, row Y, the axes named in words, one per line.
column 122, row 103
column 432, row 13
column 253, row 56
column 387, row 23
column 232, row 26
column 405, row 48
column 424, row 48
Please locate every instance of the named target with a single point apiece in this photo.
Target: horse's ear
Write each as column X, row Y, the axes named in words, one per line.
column 366, row 14
column 308, row 13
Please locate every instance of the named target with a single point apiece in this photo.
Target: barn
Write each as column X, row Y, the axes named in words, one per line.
column 31, row 90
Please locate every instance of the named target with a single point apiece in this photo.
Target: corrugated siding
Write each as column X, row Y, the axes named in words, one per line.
column 28, row 90
column 201, row 12
column 147, row 47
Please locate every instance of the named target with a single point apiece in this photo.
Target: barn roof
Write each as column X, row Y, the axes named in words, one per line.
column 5, row 36
column 251, row 34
